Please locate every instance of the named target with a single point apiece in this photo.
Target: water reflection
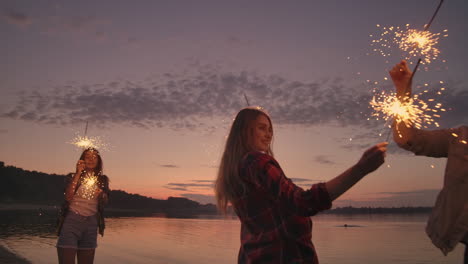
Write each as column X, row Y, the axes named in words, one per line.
column 210, row 239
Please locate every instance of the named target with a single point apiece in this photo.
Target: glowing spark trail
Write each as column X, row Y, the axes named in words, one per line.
column 412, row 42
column 87, row 142
column 89, row 182
column 411, row 111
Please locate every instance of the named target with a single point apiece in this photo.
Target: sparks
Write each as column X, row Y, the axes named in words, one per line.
column 411, row 111
column 88, row 142
column 89, row 183
column 412, row 42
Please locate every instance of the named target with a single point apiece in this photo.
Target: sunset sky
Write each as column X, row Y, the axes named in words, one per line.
column 161, row 81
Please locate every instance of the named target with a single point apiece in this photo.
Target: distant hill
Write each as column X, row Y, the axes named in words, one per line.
column 23, row 186
column 379, row 210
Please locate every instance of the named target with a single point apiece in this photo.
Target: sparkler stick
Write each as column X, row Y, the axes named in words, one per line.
column 246, row 100
column 406, row 93
column 426, row 27
column 86, row 129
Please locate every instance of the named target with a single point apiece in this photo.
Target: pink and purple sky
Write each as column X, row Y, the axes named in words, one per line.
column 160, row 82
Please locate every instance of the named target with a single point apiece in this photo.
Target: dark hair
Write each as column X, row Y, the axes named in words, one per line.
column 99, row 166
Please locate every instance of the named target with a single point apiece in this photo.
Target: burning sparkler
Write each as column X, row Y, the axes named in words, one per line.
column 411, row 111
column 85, row 142
column 90, row 184
column 414, row 43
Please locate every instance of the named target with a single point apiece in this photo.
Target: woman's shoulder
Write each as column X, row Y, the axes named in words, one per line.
column 257, row 159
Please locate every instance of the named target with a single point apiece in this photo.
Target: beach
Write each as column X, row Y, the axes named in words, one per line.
column 8, row 257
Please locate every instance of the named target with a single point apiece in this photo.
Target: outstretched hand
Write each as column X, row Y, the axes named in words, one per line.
column 401, row 77
column 373, row 158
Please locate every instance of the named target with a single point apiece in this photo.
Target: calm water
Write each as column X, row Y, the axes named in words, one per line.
column 372, row 239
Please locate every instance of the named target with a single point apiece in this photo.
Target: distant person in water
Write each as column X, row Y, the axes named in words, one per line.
column 274, row 212
column 448, row 222
column 81, row 216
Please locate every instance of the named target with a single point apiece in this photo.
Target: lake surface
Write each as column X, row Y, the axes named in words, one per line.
column 367, row 239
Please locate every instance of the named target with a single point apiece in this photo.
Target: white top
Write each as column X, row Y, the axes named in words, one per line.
column 85, row 201
column 448, row 222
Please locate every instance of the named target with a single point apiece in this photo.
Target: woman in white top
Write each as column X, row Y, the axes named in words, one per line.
column 448, row 223
column 82, row 212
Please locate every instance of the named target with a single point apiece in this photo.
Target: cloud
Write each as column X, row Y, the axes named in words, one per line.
column 301, row 180
column 209, row 181
column 88, row 25
column 169, row 166
column 17, row 18
column 304, row 183
column 194, row 184
column 188, row 99
column 324, row 160
column 91, row 26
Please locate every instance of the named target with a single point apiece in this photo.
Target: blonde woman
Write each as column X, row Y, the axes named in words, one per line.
column 274, row 212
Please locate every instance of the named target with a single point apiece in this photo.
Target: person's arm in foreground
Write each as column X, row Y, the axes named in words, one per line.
column 319, row 196
column 369, row 162
column 421, row 142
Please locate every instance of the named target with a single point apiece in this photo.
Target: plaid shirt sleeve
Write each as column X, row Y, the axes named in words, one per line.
column 268, row 176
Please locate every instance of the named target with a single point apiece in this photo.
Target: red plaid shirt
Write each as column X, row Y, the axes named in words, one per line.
column 274, row 214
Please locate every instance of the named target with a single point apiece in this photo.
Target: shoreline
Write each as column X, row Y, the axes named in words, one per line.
column 8, row 257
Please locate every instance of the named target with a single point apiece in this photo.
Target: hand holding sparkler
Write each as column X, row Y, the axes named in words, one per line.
column 80, row 166
column 372, row 158
column 402, row 79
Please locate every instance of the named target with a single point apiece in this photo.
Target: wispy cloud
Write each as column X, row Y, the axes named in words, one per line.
column 193, row 185
column 304, row 182
column 17, row 18
column 324, row 160
column 169, row 166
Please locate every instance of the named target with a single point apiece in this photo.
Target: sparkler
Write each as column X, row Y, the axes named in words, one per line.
column 246, row 100
column 89, row 182
column 411, row 111
column 415, row 43
column 85, row 142
column 412, row 42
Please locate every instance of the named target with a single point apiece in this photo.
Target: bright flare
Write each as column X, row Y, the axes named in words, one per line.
column 90, row 184
column 412, row 42
column 413, row 112
column 88, row 142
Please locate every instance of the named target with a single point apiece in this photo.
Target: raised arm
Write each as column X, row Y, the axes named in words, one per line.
column 71, row 187
column 319, row 197
column 421, row 142
column 369, row 162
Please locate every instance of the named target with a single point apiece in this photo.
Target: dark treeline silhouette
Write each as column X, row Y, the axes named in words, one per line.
column 379, row 210
column 23, row 186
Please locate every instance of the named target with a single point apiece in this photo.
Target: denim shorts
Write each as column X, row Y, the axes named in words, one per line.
column 79, row 232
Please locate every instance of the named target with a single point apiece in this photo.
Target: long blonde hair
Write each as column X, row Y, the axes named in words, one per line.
column 229, row 184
